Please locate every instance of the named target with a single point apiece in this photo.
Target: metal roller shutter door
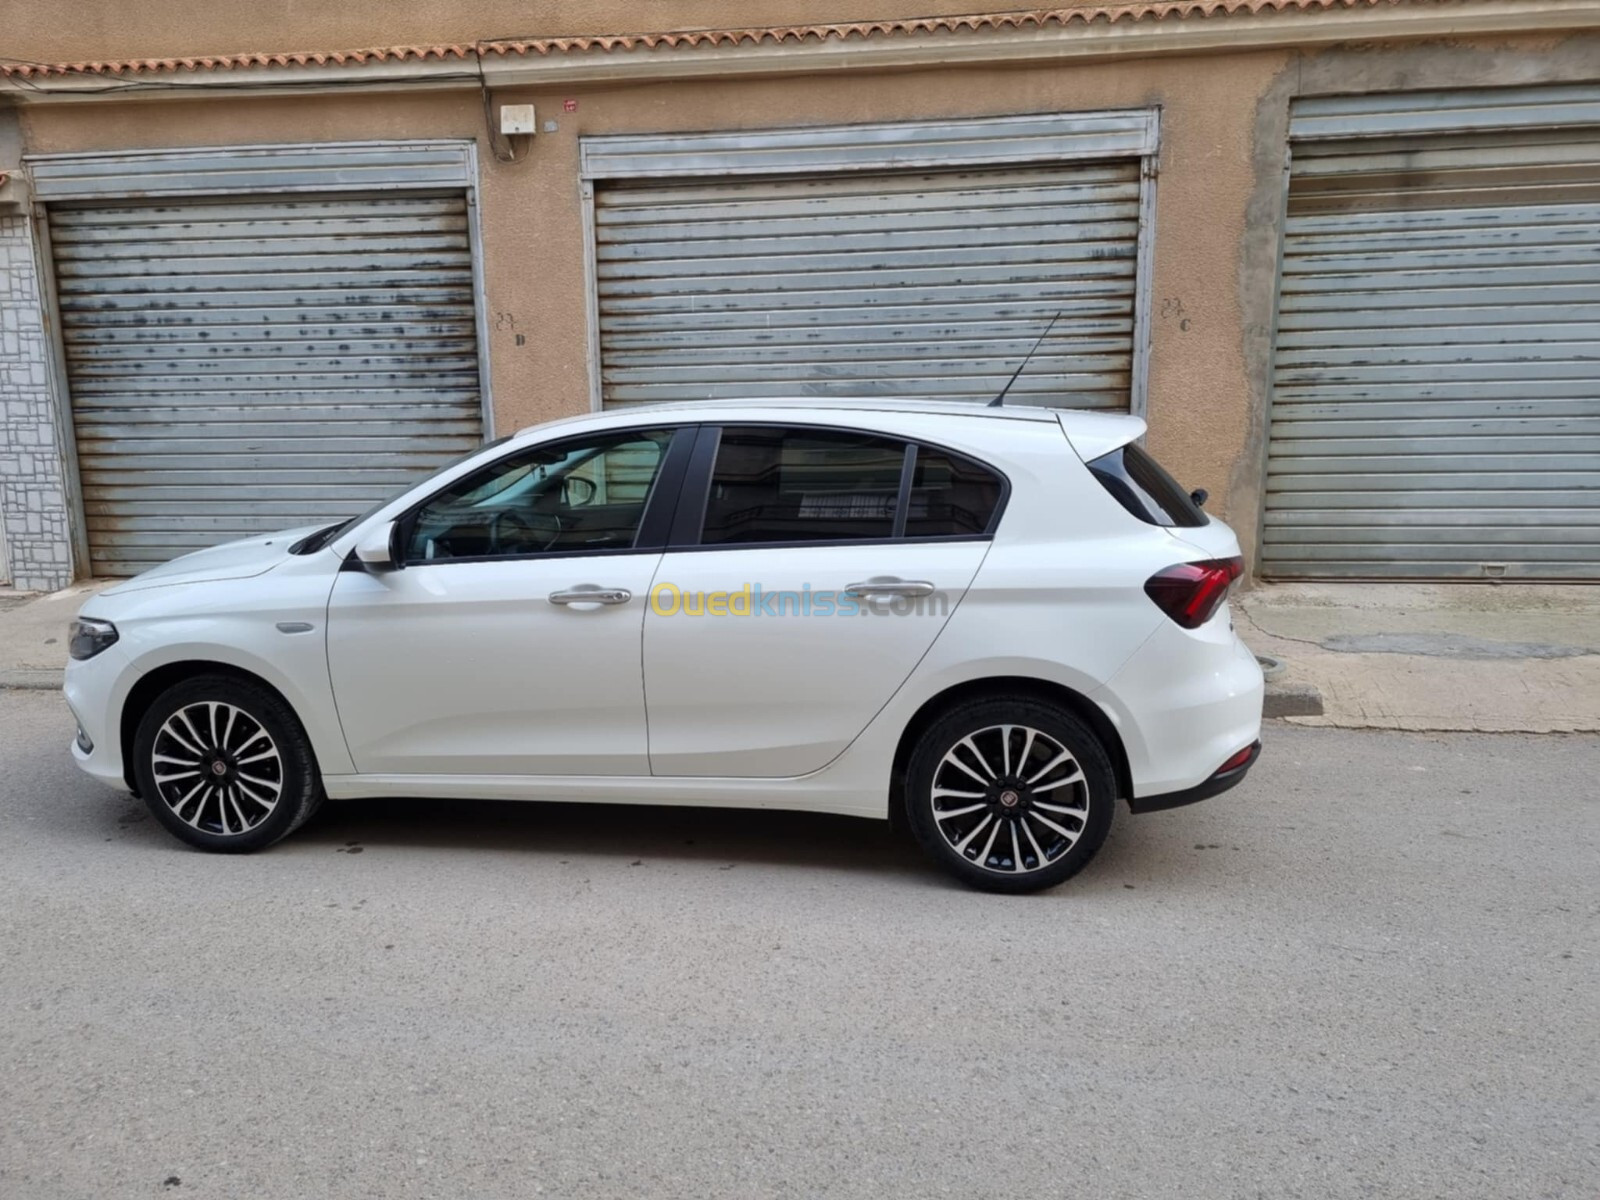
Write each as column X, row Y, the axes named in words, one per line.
column 915, row 284
column 243, row 365
column 1436, row 404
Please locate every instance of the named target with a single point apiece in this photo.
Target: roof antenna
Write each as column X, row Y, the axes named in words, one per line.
column 1027, row 358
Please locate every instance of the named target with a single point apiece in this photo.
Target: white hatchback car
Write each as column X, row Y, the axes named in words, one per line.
column 992, row 621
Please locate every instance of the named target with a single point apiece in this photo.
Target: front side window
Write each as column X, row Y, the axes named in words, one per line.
column 574, row 496
column 779, row 484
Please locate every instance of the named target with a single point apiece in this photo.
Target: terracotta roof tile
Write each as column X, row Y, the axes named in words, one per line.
column 1135, row 10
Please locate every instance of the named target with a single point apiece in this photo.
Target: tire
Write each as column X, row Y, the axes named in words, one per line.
column 224, row 764
column 982, row 757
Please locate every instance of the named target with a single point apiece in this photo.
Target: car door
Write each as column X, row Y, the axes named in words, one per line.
column 508, row 640
column 810, row 570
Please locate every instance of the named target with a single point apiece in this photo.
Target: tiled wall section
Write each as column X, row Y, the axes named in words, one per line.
column 33, row 499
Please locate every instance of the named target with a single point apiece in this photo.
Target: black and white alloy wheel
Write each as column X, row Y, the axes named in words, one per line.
column 217, row 768
column 225, row 765
column 1010, row 796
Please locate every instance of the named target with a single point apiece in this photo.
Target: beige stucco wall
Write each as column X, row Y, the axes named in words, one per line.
column 1224, row 121
column 532, row 223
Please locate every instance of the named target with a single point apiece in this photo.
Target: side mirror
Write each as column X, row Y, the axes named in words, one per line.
column 376, row 550
column 1199, row 497
column 576, row 491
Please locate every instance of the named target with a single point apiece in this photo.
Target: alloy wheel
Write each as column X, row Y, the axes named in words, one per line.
column 217, row 768
column 1010, row 799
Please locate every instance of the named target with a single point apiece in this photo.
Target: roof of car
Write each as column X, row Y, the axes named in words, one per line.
column 958, row 408
column 1120, row 425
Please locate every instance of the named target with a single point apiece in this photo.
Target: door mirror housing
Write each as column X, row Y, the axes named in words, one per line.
column 377, row 549
column 576, row 491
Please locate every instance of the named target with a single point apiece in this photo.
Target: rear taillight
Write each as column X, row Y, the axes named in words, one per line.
column 1190, row 593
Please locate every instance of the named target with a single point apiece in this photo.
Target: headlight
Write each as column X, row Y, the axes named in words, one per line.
column 88, row 636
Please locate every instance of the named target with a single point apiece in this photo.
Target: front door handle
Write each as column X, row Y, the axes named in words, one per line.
column 589, row 594
column 886, row 586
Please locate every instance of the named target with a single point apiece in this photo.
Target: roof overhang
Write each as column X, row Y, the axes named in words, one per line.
column 1155, row 27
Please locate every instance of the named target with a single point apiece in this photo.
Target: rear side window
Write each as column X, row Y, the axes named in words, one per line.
column 794, row 484
column 1142, row 486
column 802, row 485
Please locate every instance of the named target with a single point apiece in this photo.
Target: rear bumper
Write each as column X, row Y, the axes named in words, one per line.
column 1217, row 784
column 1185, row 702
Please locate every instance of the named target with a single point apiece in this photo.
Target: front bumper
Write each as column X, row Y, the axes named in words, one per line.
column 95, row 690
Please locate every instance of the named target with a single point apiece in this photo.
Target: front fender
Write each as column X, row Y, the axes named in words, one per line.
column 273, row 626
column 299, row 676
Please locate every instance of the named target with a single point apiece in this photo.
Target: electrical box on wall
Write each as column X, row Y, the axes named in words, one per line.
column 14, row 193
column 517, row 119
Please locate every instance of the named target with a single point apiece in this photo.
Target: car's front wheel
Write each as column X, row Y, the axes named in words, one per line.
column 224, row 764
column 1010, row 795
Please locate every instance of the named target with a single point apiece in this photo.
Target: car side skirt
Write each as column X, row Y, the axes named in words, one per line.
column 798, row 794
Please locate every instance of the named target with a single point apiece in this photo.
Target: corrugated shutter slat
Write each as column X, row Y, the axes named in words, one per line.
column 909, row 283
column 1436, row 401
column 241, row 367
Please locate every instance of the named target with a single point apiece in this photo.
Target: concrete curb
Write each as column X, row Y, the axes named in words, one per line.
column 39, row 679
column 1292, row 700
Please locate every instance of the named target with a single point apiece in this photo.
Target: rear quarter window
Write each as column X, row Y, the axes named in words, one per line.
column 951, row 496
column 1142, row 486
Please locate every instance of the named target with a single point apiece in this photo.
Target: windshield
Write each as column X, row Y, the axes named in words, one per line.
column 319, row 539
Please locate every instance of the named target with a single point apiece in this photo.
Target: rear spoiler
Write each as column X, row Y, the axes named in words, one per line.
column 1092, row 434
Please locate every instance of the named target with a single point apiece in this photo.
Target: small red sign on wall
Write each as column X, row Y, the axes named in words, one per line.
column 569, row 106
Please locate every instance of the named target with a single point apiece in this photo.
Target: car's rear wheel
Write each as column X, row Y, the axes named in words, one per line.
column 224, row 764
column 1010, row 795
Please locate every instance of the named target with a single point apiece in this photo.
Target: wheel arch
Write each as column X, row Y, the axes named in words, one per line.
column 1007, row 687
column 150, row 685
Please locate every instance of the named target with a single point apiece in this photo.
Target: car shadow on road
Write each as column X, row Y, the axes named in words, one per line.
column 1138, row 853
column 624, row 832
column 627, row 834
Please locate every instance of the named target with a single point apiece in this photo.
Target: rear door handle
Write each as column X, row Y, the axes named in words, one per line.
column 588, row 594
column 890, row 587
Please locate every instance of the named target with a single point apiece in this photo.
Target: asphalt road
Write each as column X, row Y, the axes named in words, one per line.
column 1373, row 970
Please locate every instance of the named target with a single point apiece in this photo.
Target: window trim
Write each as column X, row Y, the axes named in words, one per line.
column 689, row 518
column 654, row 521
column 689, row 522
column 902, row 501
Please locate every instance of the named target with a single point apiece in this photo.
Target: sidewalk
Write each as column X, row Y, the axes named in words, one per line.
column 1487, row 658
column 33, row 634
column 1496, row 658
